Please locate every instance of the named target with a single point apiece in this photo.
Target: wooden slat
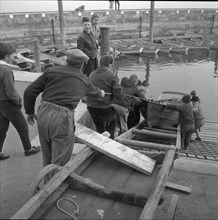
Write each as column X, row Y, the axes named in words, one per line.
column 155, row 196
column 37, row 200
column 114, row 149
column 177, row 187
column 172, row 209
column 153, row 133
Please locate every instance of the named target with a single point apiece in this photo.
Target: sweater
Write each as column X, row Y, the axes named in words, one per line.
column 63, row 85
column 104, row 79
column 186, row 116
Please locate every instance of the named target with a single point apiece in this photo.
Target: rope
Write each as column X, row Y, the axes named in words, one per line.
column 74, row 214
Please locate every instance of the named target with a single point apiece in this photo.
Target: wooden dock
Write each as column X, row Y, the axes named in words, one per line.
column 207, row 148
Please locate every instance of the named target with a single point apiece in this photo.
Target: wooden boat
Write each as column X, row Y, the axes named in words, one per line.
column 192, row 46
column 175, row 47
column 25, row 59
column 125, row 49
column 105, row 180
column 156, row 115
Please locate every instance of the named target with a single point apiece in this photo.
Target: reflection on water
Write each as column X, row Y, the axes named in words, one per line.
column 183, row 73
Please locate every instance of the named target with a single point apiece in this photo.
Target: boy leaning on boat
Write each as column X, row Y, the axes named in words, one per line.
column 186, row 119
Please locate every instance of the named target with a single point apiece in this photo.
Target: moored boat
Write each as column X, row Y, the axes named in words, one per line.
column 156, row 115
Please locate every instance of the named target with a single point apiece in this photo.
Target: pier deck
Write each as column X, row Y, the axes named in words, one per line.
column 207, row 148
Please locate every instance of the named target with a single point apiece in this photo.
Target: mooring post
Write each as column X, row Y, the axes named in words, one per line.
column 53, row 32
column 61, row 20
column 151, row 21
column 140, row 26
column 37, row 55
column 105, row 40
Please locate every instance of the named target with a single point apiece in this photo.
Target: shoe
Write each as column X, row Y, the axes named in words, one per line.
column 4, row 156
column 198, row 139
column 33, row 150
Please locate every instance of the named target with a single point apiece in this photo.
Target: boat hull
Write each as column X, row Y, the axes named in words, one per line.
column 157, row 116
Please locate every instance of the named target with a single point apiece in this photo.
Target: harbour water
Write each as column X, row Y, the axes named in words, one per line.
column 177, row 72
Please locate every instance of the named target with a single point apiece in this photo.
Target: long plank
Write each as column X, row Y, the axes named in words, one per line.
column 177, row 187
column 172, row 209
column 155, row 196
column 114, row 149
column 36, row 201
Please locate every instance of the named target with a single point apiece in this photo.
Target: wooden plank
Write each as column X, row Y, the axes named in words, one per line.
column 178, row 137
column 37, row 200
column 114, row 149
column 172, row 209
column 155, row 196
column 177, row 187
column 49, row 202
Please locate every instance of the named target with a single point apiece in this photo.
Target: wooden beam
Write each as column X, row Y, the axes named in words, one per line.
column 37, row 200
column 179, row 188
column 114, row 149
column 82, row 184
column 105, row 40
column 172, row 209
column 151, row 205
column 147, row 145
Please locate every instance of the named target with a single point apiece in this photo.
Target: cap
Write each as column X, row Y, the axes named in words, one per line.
column 105, row 60
column 94, row 16
column 195, row 98
column 76, row 56
column 186, row 99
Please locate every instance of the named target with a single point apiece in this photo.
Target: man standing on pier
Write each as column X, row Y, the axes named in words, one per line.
column 62, row 88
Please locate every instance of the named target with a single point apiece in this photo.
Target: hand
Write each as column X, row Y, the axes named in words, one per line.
column 102, row 93
column 137, row 101
column 31, row 119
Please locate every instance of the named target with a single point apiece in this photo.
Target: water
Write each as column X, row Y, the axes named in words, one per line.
column 183, row 73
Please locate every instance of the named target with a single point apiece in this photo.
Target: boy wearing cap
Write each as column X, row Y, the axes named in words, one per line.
column 62, row 88
column 198, row 115
column 87, row 43
column 186, row 119
column 11, row 104
column 102, row 111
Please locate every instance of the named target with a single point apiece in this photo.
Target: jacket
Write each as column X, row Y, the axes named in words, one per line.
column 63, row 85
column 7, row 89
column 104, row 79
column 87, row 43
column 186, row 116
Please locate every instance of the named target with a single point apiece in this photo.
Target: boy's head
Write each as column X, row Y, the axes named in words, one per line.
column 193, row 92
column 95, row 19
column 134, row 79
column 106, row 60
column 6, row 50
column 186, row 99
column 195, row 98
column 86, row 24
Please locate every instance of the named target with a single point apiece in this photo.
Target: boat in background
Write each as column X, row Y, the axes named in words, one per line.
column 155, row 113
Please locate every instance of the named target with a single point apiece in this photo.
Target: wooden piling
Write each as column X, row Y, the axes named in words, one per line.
column 61, row 20
column 105, row 40
column 151, row 31
column 37, row 55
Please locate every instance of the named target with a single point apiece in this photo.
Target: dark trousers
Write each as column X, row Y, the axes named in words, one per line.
column 9, row 112
column 90, row 66
column 133, row 117
column 104, row 119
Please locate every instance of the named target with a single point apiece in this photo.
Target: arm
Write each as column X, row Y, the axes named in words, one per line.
column 31, row 93
column 80, row 43
column 93, row 91
column 11, row 92
column 117, row 90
